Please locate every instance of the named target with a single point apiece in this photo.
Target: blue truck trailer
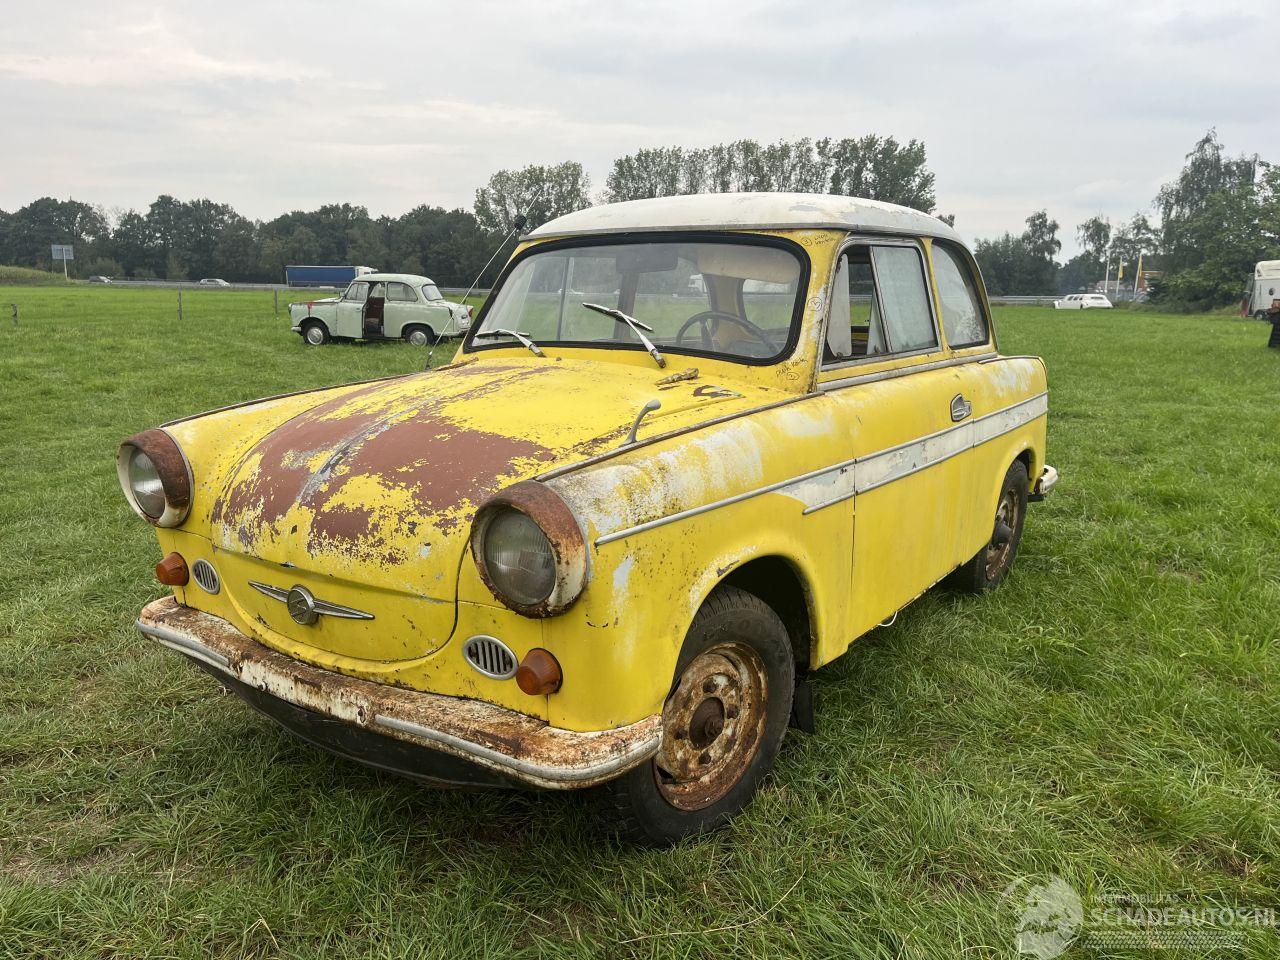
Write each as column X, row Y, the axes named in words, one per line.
column 313, row 276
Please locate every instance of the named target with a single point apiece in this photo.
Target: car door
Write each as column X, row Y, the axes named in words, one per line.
column 884, row 367
column 401, row 309
column 349, row 320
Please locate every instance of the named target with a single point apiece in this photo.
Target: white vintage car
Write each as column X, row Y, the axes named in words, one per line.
column 382, row 306
column 1083, row 301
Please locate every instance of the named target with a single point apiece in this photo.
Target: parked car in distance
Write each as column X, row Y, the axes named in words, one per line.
column 382, row 306
column 213, row 282
column 1082, row 301
column 97, row 279
column 606, row 544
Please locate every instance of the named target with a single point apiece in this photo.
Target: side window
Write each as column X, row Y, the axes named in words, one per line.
column 357, row 292
column 962, row 316
column 908, row 321
column 400, row 292
column 855, row 329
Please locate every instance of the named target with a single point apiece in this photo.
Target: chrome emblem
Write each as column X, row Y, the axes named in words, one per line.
column 303, row 606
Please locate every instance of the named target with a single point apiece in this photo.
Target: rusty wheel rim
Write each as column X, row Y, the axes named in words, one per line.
column 1001, row 544
column 711, row 726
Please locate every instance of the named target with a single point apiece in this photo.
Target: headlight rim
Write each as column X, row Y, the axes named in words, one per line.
column 561, row 528
column 171, row 466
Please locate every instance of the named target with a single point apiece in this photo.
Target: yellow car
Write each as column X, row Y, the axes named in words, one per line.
column 689, row 451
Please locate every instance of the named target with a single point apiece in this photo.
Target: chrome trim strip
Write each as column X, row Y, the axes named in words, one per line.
column 275, row 593
column 551, row 774
column 826, row 385
column 184, row 644
column 1008, row 419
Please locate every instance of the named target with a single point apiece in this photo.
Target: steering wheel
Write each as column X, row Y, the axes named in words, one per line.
column 706, row 316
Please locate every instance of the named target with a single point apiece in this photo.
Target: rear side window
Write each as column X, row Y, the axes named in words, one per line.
column 879, row 305
column 962, row 317
column 401, row 292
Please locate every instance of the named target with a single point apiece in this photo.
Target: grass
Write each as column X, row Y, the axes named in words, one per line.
column 1109, row 715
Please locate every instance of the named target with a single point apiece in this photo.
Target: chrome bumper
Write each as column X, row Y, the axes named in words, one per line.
column 1044, row 485
column 508, row 743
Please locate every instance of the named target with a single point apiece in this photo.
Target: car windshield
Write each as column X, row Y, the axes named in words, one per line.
column 431, row 292
column 730, row 299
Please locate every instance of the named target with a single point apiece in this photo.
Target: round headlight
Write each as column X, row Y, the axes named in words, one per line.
column 530, row 549
column 145, row 485
column 155, row 477
column 518, row 557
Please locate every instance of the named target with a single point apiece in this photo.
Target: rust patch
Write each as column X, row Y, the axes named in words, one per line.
column 170, row 464
column 439, row 465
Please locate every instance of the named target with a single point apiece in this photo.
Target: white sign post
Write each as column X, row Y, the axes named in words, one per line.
column 63, row 252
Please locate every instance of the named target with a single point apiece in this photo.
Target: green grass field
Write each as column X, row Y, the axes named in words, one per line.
column 1108, row 716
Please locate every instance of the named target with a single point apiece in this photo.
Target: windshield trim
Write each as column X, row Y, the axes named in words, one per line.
column 469, row 346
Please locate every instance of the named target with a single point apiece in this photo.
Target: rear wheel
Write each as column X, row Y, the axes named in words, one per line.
column 722, row 724
column 420, row 336
column 990, row 565
column 315, row 333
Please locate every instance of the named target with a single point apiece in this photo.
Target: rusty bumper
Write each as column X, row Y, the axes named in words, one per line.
column 1044, row 484
column 511, row 745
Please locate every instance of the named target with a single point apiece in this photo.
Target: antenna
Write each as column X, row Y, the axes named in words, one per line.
column 520, row 221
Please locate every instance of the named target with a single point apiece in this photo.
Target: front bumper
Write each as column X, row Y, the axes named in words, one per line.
column 1044, row 484
column 423, row 735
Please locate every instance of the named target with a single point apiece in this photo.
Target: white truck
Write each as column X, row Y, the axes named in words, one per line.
column 1264, row 287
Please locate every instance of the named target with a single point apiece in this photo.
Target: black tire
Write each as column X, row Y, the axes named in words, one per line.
column 315, row 333
column 990, row 565
column 420, row 336
column 740, row 650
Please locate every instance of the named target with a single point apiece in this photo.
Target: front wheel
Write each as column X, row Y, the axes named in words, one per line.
column 315, row 333
column 988, row 568
column 722, row 724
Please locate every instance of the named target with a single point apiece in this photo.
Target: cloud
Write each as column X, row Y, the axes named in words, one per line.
column 1080, row 109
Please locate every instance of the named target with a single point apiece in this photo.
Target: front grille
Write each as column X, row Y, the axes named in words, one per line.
column 491, row 657
column 205, row 576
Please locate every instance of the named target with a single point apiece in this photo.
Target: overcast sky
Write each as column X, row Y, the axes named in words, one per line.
column 1080, row 108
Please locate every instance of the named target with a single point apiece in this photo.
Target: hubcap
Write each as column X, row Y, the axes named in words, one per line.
column 1002, row 534
column 314, row 335
column 418, row 338
column 711, row 726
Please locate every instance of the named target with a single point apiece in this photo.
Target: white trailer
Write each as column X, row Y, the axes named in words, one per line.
column 1264, row 287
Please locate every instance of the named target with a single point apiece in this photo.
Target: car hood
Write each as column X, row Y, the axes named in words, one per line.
column 377, row 485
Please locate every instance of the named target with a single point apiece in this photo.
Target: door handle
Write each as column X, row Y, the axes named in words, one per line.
column 960, row 408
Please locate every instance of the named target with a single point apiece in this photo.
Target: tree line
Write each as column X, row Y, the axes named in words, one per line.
column 1214, row 221
column 188, row 239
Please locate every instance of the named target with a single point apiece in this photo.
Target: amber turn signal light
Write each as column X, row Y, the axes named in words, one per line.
column 539, row 673
column 172, row 571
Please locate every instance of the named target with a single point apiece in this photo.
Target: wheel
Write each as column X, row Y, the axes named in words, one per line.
column 722, row 724
column 315, row 333
column 420, row 336
column 991, row 564
column 1260, row 315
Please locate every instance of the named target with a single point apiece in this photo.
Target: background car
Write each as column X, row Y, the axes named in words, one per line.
column 99, row 279
column 382, row 306
column 1082, row 301
column 213, row 282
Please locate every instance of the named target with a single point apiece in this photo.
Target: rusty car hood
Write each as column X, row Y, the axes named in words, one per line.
column 377, row 485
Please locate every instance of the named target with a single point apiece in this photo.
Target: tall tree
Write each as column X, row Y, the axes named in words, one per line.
column 541, row 193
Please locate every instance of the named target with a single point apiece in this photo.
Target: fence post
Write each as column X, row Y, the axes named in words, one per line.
column 15, row 313
column 179, row 304
column 275, row 299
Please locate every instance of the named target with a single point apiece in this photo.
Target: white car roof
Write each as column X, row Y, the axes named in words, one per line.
column 410, row 278
column 744, row 211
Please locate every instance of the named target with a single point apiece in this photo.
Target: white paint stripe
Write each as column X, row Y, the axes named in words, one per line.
column 828, row 486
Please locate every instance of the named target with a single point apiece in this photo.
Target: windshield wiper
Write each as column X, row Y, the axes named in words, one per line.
column 636, row 326
column 516, row 334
